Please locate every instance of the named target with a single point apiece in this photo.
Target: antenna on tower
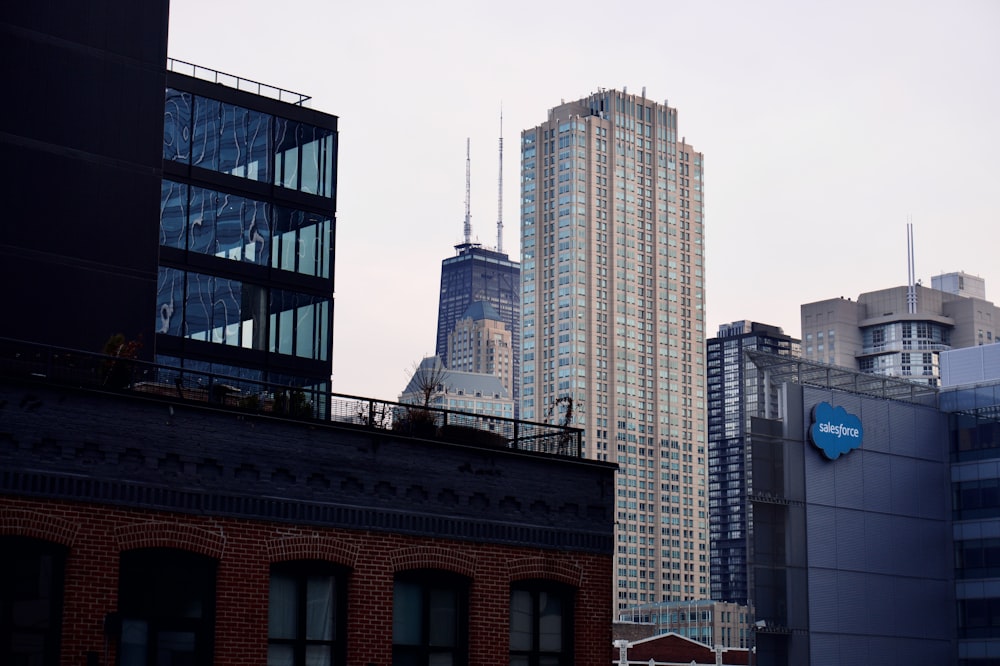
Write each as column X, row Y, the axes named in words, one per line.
column 468, row 190
column 911, row 284
column 500, row 190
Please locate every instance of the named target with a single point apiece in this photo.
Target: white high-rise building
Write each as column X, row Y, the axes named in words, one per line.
column 613, row 322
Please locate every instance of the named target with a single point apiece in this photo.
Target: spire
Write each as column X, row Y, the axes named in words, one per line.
column 500, row 190
column 468, row 196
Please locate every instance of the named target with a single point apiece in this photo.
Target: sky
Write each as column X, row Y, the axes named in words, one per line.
column 825, row 126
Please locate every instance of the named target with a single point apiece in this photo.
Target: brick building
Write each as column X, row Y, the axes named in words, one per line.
column 135, row 525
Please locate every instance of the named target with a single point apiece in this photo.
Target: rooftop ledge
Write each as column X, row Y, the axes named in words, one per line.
column 238, row 82
column 121, row 374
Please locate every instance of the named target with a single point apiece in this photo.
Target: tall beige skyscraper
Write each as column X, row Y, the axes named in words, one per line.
column 613, row 322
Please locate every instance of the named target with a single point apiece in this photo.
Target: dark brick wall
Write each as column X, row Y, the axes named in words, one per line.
column 96, row 535
column 106, row 473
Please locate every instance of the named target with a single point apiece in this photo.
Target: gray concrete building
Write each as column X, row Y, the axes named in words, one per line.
column 900, row 331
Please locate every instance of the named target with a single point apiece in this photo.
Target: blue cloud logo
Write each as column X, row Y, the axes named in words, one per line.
column 834, row 431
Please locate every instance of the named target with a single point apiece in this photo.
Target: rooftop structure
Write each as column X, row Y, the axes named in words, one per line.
column 900, row 331
column 434, row 385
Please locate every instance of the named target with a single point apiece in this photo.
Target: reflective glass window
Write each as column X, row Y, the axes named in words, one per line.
column 243, row 145
column 228, row 226
column 299, row 324
column 177, row 126
column 206, row 133
column 302, row 242
column 304, row 157
column 169, row 300
column 225, row 311
column 173, row 214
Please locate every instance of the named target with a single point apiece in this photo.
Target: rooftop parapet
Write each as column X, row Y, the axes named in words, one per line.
column 87, row 370
column 237, row 82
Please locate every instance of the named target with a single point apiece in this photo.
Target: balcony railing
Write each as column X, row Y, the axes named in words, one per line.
column 903, row 345
column 238, row 82
column 54, row 365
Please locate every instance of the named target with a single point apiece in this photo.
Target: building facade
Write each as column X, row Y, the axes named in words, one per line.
column 481, row 343
column 478, row 274
column 851, row 531
column 141, row 527
column 900, row 332
column 246, row 228
column 971, row 398
column 613, row 326
column 734, row 391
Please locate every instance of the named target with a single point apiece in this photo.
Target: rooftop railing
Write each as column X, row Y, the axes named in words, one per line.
column 68, row 367
column 238, row 82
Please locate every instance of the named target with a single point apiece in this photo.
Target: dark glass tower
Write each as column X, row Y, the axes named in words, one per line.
column 81, row 139
column 477, row 274
column 730, row 376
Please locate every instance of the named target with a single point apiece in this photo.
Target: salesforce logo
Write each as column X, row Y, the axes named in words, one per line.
column 834, row 431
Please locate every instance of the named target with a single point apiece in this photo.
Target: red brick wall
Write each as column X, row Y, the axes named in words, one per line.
column 96, row 535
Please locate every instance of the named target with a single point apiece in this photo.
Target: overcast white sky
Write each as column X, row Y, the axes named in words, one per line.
column 824, row 126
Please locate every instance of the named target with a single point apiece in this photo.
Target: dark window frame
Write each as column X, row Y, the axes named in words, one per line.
column 47, row 559
column 567, row 596
column 150, row 582
column 301, row 570
column 434, row 580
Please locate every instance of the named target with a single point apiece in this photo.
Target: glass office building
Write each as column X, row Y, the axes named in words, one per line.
column 734, row 393
column 246, row 233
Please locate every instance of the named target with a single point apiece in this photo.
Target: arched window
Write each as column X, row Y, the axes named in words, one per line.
column 31, row 600
column 307, row 614
column 166, row 604
column 430, row 619
column 541, row 624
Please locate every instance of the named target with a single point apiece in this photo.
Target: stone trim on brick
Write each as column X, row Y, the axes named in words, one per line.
column 171, row 535
column 312, row 547
column 526, row 568
column 433, row 557
column 38, row 525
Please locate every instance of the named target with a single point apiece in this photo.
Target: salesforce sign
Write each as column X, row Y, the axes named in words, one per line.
column 834, row 431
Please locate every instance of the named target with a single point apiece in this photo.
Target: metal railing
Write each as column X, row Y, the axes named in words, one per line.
column 55, row 365
column 238, row 82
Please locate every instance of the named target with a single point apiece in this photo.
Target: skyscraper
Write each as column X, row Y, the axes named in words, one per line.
column 478, row 274
column 734, row 391
column 613, row 323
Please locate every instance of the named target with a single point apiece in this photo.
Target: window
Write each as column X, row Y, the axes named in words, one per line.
column 306, row 615
column 31, row 592
column 541, row 624
column 429, row 619
column 166, row 603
